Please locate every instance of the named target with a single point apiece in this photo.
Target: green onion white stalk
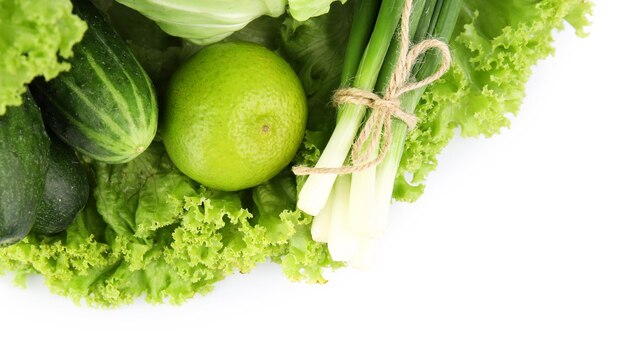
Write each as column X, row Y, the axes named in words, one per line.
column 317, row 187
column 352, row 210
column 343, row 244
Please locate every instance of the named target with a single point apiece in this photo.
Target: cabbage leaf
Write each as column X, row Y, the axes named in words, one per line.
column 208, row 21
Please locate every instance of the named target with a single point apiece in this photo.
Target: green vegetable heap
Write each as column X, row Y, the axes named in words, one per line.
column 149, row 230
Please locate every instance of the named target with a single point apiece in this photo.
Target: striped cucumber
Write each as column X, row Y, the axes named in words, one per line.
column 105, row 106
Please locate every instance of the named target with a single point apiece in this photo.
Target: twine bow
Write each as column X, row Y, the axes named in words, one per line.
column 376, row 133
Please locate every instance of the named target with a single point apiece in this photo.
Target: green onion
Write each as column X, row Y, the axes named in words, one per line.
column 317, row 187
column 364, row 194
column 352, row 210
column 387, row 170
column 362, row 26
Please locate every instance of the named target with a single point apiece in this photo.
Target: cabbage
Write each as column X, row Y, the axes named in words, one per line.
column 207, row 21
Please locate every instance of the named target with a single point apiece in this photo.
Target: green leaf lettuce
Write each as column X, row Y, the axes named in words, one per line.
column 153, row 231
column 494, row 47
column 33, row 34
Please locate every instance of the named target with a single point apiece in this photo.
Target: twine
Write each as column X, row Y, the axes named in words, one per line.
column 383, row 109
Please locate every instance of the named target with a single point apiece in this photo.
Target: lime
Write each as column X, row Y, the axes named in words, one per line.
column 234, row 116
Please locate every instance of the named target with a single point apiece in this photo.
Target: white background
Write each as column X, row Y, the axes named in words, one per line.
column 521, row 236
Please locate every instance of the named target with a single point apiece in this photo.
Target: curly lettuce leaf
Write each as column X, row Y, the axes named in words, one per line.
column 494, row 47
column 153, row 231
column 35, row 37
column 290, row 229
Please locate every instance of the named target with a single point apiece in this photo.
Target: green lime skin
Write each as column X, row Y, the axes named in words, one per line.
column 234, row 116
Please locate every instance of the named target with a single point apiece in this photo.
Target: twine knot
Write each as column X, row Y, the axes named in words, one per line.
column 385, row 105
column 376, row 132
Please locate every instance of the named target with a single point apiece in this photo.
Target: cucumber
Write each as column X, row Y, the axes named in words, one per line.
column 105, row 105
column 66, row 191
column 24, row 152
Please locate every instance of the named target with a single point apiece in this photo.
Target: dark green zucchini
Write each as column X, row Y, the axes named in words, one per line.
column 24, row 150
column 65, row 193
column 105, row 105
